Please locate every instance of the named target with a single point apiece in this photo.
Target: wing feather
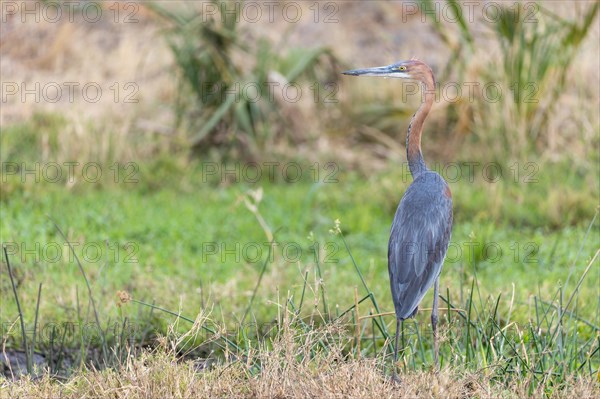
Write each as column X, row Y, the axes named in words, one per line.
column 419, row 241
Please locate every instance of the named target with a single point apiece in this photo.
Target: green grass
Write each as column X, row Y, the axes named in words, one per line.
column 172, row 234
column 176, row 237
column 183, row 248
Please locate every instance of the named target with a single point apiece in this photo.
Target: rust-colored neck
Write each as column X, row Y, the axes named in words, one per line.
column 416, row 163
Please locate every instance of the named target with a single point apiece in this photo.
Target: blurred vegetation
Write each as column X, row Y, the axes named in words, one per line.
column 231, row 102
column 507, row 193
column 234, row 88
column 537, row 49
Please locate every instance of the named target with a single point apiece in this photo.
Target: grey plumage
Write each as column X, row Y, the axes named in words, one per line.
column 419, row 240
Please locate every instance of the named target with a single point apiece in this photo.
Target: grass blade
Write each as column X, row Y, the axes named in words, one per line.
column 28, row 359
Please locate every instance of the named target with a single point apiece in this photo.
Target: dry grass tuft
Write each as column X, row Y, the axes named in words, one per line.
column 159, row 375
column 292, row 365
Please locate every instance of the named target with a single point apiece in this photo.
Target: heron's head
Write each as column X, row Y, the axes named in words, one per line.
column 411, row 69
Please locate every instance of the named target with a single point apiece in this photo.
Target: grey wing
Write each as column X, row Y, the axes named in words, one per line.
column 418, row 244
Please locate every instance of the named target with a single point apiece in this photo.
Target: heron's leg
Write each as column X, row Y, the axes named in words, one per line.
column 395, row 377
column 434, row 320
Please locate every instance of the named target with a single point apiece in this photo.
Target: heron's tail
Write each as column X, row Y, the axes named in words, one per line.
column 414, row 312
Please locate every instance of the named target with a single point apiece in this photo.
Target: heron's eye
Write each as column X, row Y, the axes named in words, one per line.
column 402, row 68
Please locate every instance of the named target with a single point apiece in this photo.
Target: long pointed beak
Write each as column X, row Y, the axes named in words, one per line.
column 377, row 71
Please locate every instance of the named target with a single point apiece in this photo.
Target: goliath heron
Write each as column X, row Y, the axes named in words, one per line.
column 423, row 222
